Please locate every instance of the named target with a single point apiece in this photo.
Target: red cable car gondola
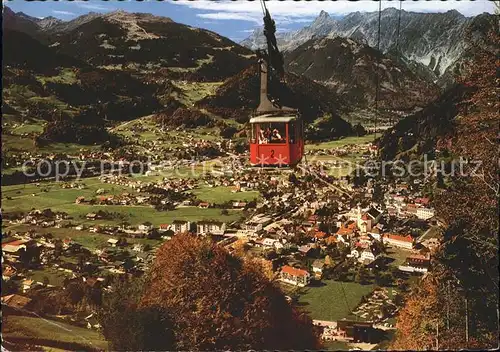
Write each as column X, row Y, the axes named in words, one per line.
column 276, row 140
column 276, row 136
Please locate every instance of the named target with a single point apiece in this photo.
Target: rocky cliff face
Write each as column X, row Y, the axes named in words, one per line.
column 65, row 26
column 438, row 41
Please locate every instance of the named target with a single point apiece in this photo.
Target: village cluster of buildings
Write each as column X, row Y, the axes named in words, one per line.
column 296, row 220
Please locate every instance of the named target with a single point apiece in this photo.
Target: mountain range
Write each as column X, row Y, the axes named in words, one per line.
column 438, row 41
column 127, row 65
column 356, row 71
column 104, row 68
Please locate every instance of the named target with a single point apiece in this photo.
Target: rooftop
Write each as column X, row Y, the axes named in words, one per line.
column 294, row 271
column 16, row 301
column 13, row 243
column 395, row 237
column 271, row 118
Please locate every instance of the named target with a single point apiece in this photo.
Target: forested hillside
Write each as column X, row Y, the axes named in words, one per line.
column 457, row 305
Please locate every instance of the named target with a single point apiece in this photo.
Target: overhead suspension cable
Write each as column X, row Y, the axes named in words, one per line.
column 397, row 38
column 399, row 25
column 263, row 6
column 377, row 87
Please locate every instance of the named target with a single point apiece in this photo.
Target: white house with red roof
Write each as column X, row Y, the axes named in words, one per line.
column 13, row 248
column 400, row 241
column 164, row 227
column 294, row 276
column 416, row 263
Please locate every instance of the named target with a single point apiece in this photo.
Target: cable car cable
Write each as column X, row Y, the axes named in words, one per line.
column 262, row 6
column 397, row 38
column 399, row 26
column 377, row 87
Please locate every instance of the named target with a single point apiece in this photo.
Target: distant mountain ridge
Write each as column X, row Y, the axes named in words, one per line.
column 155, row 51
column 439, row 41
column 350, row 69
column 99, row 69
column 44, row 26
column 320, row 107
column 139, row 43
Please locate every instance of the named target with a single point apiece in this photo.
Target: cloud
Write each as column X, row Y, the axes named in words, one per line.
column 63, row 13
column 304, row 20
column 283, row 20
column 228, row 16
column 253, row 17
column 247, row 30
column 92, row 6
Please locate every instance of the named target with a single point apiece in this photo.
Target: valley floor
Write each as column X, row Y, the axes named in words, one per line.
column 323, row 302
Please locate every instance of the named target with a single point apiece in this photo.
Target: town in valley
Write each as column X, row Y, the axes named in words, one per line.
column 134, row 215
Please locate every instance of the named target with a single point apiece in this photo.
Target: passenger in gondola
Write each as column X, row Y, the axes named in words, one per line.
column 276, row 137
column 262, row 137
column 268, row 135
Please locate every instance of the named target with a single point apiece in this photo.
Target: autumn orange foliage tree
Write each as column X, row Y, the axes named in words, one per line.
column 456, row 306
column 221, row 302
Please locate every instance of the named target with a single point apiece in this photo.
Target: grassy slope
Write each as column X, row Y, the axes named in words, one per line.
column 194, row 91
column 336, row 346
column 146, row 130
column 16, row 140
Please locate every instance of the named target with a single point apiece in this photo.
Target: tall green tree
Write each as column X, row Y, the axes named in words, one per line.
column 362, row 275
column 129, row 327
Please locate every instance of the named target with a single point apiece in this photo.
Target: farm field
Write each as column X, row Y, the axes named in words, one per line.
column 55, row 277
column 85, row 238
column 134, row 215
column 57, row 199
column 336, row 346
column 219, row 195
column 327, row 302
column 341, row 142
column 345, row 164
column 55, row 191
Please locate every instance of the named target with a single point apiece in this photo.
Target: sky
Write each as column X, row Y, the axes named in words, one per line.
column 237, row 19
